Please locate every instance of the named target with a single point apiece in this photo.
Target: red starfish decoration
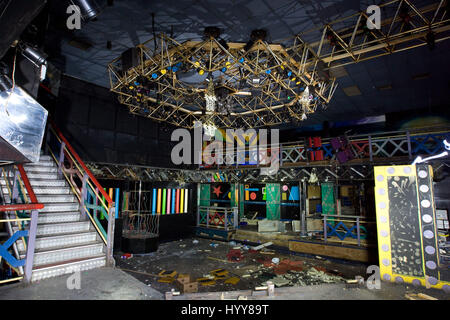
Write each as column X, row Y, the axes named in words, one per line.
column 217, row 191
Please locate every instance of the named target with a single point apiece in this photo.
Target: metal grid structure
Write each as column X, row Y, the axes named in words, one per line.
column 386, row 148
column 260, row 84
column 137, row 216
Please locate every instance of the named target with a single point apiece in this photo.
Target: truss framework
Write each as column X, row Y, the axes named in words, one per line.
column 323, row 173
column 263, row 84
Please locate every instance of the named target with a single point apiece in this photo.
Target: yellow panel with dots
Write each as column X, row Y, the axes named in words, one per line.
column 404, row 181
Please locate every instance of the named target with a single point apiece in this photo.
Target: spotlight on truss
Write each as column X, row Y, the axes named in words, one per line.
column 89, row 9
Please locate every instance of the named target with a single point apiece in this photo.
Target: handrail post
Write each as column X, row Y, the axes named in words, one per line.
column 408, row 137
column 61, row 158
column 370, row 149
column 357, row 231
column 226, row 217
column 83, row 196
column 110, row 236
column 207, row 217
column 235, row 212
column 31, row 246
column 325, row 227
column 198, row 216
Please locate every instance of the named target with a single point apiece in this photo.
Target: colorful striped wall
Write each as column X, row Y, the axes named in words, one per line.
column 169, row 201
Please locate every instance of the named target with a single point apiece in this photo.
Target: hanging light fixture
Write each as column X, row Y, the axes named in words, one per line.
column 210, row 97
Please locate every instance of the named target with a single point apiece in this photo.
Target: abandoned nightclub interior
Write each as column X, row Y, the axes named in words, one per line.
column 224, row 150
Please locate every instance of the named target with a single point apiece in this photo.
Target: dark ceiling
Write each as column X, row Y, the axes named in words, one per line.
column 128, row 23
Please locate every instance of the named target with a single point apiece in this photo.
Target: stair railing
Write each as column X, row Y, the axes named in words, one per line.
column 95, row 203
column 21, row 212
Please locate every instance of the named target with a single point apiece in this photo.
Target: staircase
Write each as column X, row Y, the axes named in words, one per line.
column 66, row 241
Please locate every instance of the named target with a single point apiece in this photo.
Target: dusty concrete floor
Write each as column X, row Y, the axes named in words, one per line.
column 186, row 257
column 96, row 284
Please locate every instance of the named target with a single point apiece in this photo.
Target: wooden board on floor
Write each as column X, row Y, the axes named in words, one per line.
column 278, row 239
column 334, row 251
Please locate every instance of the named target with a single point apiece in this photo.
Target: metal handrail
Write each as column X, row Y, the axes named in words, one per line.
column 33, row 207
column 83, row 165
column 89, row 183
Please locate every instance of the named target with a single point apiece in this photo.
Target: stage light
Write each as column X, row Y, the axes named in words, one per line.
column 33, row 55
column 89, row 9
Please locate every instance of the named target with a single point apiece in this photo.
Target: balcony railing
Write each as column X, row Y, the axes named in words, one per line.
column 19, row 212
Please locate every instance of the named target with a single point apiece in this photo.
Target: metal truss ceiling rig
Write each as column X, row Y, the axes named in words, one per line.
column 256, row 84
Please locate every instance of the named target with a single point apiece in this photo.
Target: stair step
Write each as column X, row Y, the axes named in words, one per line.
column 56, row 198
column 47, row 183
column 59, row 269
column 59, row 228
column 45, row 158
column 43, row 163
column 58, row 217
column 40, row 168
column 66, row 254
column 42, row 183
column 42, row 175
column 60, row 207
column 51, row 190
column 50, row 198
column 59, row 241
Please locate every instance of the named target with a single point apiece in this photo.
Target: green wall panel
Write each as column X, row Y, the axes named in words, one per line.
column 273, row 207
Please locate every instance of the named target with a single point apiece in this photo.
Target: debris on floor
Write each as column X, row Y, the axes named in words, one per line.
column 419, row 296
column 127, row 256
column 233, row 266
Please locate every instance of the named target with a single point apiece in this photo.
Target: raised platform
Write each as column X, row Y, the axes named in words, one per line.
column 214, row 233
column 293, row 242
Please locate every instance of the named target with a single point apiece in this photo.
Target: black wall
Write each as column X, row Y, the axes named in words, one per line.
column 102, row 130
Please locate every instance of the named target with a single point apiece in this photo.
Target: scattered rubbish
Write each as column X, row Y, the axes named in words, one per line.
column 166, row 279
column 262, row 246
column 195, row 241
column 246, row 276
column 280, row 281
column 214, row 245
column 232, row 280
column 276, row 260
column 234, row 255
column 184, row 278
column 215, row 259
column 246, row 248
column 206, row 281
column 232, row 243
column 170, row 274
column 261, row 288
column 219, row 272
column 242, row 298
column 237, row 247
column 320, row 258
column 425, row 296
column 127, row 256
column 182, row 245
